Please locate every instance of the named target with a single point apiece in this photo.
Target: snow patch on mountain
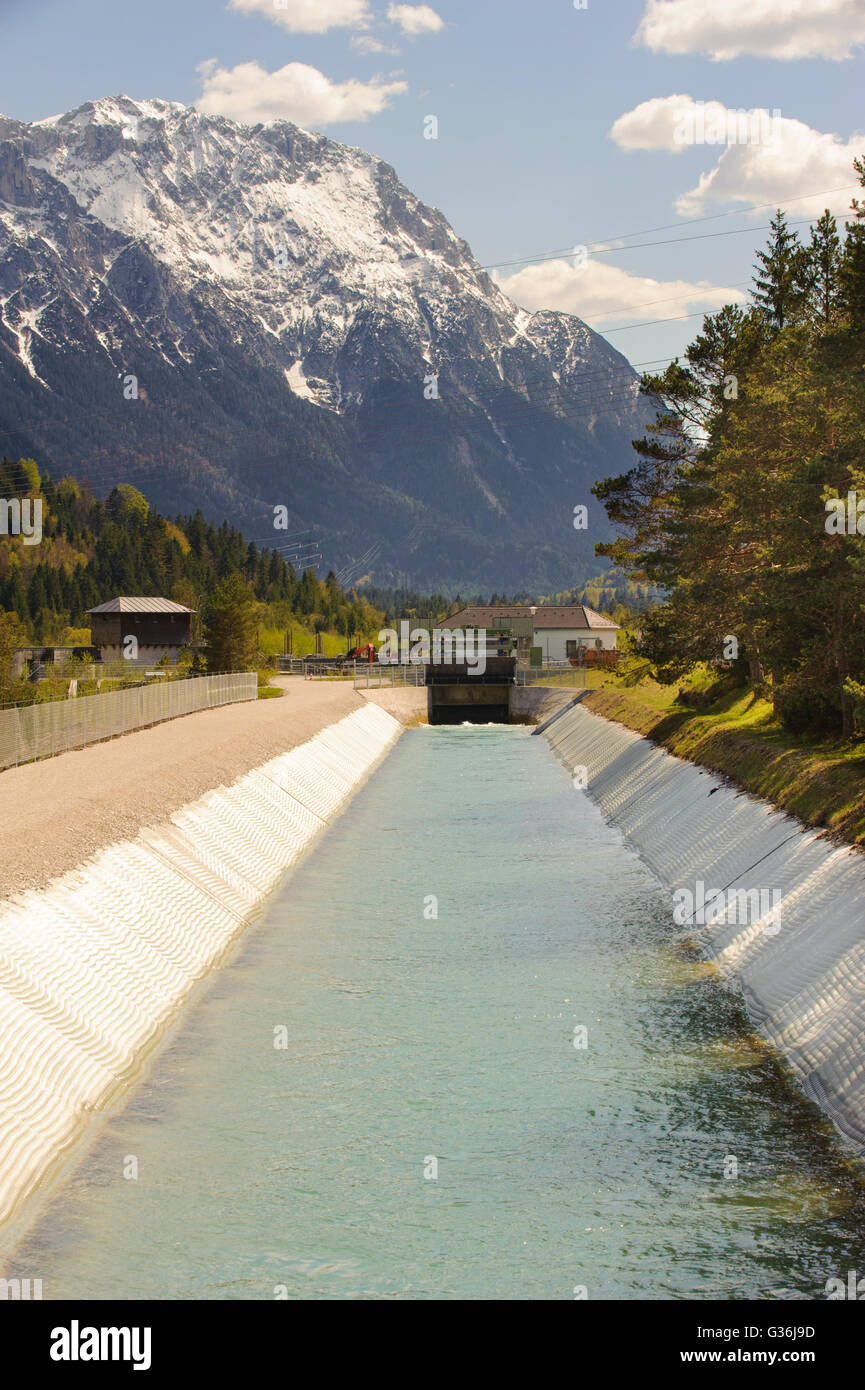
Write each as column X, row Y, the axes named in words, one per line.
column 284, row 302
column 280, row 222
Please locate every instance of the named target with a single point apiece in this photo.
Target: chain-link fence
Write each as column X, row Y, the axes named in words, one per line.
column 28, row 732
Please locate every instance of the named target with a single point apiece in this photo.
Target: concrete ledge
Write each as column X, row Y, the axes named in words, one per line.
column 533, row 704
column 409, row 704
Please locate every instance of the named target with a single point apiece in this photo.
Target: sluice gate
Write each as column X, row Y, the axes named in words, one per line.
column 460, row 693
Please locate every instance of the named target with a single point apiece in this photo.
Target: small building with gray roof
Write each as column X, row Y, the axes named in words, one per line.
column 142, row 630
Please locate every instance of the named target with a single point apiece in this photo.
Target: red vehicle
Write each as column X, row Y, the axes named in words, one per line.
column 364, row 653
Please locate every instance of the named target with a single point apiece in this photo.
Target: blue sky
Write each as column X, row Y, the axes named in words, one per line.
column 558, row 127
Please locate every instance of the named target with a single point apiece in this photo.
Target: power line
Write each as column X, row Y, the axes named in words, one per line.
column 736, row 212
column 648, row 323
column 644, row 304
column 668, row 226
column 600, row 250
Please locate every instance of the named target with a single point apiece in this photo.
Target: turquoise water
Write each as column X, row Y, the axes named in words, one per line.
column 307, row 1169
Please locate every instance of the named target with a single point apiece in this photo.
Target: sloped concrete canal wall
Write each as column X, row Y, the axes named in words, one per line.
column 802, row 966
column 94, row 967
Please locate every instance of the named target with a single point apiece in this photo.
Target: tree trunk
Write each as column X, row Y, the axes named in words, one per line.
column 846, row 714
column 842, row 666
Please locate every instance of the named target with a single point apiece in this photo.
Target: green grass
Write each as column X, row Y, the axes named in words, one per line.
column 595, row 677
column 820, row 781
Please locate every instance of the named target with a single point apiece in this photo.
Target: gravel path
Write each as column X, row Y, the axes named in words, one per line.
column 56, row 813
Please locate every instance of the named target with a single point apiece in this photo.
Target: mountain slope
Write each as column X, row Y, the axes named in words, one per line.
column 289, row 311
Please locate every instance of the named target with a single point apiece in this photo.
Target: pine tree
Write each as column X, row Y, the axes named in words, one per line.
column 231, row 632
column 782, row 276
column 37, row 598
column 853, row 264
column 825, row 261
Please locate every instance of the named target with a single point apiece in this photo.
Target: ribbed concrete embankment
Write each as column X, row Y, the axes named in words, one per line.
column 802, row 972
column 95, row 967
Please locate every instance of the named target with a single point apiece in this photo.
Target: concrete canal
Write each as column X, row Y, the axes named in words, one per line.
column 461, row 1057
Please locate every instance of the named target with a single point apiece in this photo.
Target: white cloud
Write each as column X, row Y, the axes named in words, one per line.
column 652, row 125
column 785, row 29
column 799, row 160
column 296, row 92
column 603, row 293
column 677, row 123
column 309, row 16
column 366, row 44
column 762, row 157
column 415, row 19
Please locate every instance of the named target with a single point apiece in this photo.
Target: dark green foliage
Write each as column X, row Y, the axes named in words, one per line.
column 727, row 683
column 760, row 425
column 804, row 708
column 231, row 626
column 785, row 274
column 92, row 551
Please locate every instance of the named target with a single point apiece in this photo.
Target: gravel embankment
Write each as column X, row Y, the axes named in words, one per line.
column 56, row 813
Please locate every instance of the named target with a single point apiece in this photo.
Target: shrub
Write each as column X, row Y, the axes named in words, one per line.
column 804, row 708
column 856, row 691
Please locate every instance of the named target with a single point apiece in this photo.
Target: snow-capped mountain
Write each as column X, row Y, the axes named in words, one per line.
column 241, row 318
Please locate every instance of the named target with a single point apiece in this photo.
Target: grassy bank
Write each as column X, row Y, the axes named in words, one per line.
column 821, row 783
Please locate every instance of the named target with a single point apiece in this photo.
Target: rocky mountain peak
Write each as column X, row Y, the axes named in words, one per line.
column 297, row 314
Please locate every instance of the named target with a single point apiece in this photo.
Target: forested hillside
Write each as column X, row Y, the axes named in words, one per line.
column 237, row 317
column 91, row 551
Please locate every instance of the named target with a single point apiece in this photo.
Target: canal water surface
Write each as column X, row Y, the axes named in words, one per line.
column 381, row 1096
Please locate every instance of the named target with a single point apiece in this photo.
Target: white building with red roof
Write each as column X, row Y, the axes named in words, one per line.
column 558, row 629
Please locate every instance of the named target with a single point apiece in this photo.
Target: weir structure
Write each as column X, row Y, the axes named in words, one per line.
column 460, row 693
column 800, row 966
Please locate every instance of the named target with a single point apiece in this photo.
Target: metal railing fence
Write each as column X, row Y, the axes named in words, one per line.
column 28, row 732
column 566, row 675
column 376, row 677
column 314, row 666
